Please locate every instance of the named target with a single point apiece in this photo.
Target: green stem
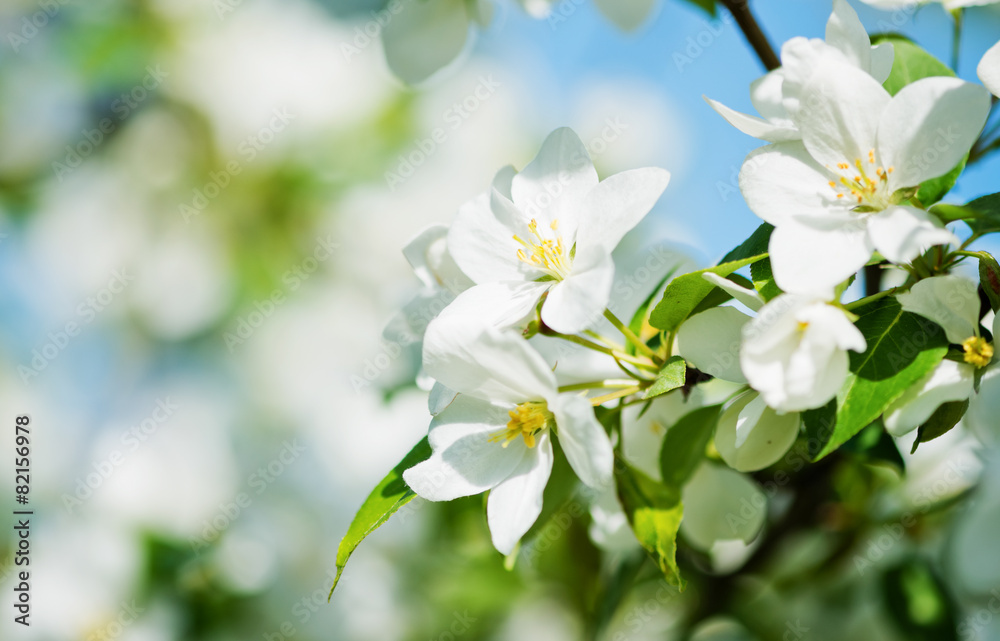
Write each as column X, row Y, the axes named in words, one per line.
column 956, row 38
column 630, row 335
column 610, row 383
column 604, row 339
column 871, row 299
column 619, row 356
column 600, row 400
column 962, row 252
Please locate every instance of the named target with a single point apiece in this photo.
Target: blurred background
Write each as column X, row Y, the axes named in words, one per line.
column 202, row 207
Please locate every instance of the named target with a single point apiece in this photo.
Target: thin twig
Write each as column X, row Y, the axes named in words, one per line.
column 752, row 31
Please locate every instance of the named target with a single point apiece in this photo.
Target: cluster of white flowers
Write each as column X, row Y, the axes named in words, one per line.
column 528, row 264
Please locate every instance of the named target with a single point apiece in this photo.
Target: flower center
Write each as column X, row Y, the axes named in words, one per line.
column 977, row 351
column 863, row 182
column 546, row 254
column 526, row 420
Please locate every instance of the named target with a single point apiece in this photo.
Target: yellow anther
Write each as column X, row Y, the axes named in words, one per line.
column 978, row 352
column 555, row 225
column 871, row 156
column 527, row 420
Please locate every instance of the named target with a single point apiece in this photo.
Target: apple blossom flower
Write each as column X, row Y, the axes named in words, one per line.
column 953, row 303
column 497, row 433
column 750, row 435
column 795, row 352
column 442, row 280
column 773, row 93
column 550, row 230
column 950, row 5
column 420, row 37
column 840, row 193
column 627, row 15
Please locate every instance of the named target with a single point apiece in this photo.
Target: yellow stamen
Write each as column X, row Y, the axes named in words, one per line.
column 527, row 420
column 978, row 352
column 545, row 254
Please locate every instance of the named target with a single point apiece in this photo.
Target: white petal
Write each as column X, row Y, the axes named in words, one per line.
column 627, row 15
column 424, row 37
column 537, row 8
column 616, row 205
column 711, row 342
column 463, row 460
column 794, row 354
column 989, row 69
column 767, row 96
column 416, row 252
column 516, row 502
column 806, row 260
column 578, row 302
column 801, row 59
column 949, row 381
column 950, row 301
column 839, row 117
column 712, row 498
column 485, row 362
column 766, row 435
column 845, row 32
column 882, row 55
column 749, row 297
column 902, row 233
column 439, row 398
column 782, row 182
column 554, row 184
column 583, row 439
column 975, row 562
column 929, row 127
column 754, row 125
column 984, row 408
column 501, row 305
column 482, row 246
column 431, row 261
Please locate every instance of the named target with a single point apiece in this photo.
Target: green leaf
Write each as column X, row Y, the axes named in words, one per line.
column 639, row 317
column 684, row 445
column 918, row 602
column 388, row 496
column 911, row 63
column 654, row 511
column 934, row 189
column 706, row 5
column 755, row 245
column 719, row 296
column 672, row 375
column 987, row 214
column 902, row 348
column 763, row 279
column 875, row 445
column 685, row 293
column 941, row 421
column 989, row 278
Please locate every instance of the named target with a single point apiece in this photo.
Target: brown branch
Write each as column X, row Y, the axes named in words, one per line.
column 748, row 24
